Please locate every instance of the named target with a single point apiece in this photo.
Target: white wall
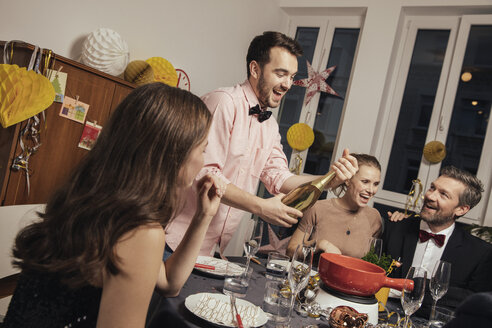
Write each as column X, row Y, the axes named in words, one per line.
column 206, row 38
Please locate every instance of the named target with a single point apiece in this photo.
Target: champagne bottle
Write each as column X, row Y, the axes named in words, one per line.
column 304, row 196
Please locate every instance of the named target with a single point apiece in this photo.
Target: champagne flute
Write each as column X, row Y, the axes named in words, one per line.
column 411, row 300
column 299, row 272
column 376, row 245
column 439, row 284
column 252, row 241
column 309, row 240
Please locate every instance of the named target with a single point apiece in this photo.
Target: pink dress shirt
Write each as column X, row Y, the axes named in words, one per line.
column 241, row 151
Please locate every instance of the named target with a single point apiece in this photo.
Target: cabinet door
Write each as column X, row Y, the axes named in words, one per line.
column 59, row 152
column 120, row 93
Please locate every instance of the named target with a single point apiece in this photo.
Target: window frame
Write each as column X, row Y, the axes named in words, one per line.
column 459, row 27
column 327, row 27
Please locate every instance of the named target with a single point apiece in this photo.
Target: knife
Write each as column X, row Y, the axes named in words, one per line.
column 238, row 317
column 204, row 266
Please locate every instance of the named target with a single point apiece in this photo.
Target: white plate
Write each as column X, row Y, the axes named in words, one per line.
column 216, row 308
column 219, row 264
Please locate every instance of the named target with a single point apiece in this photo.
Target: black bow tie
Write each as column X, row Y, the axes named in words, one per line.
column 438, row 238
column 262, row 115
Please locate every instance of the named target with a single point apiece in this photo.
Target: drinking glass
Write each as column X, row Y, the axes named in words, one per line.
column 299, row 272
column 236, row 280
column 276, row 304
column 439, row 284
column 252, row 241
column 442, row 316
column 411, row 300
column 276, row 268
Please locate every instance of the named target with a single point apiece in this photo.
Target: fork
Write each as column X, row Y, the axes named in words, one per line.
column 234, row 311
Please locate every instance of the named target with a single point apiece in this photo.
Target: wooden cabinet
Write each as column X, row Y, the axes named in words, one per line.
column 59, row 153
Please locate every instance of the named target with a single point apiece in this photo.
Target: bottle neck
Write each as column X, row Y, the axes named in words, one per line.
column 321, row 182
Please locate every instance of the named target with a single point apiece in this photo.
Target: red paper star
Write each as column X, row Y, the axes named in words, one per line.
column 316, row 82
column 275, row 243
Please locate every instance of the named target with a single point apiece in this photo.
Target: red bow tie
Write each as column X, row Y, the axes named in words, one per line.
column 425, row 236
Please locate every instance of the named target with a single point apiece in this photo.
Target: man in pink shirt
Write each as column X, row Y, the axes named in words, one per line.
column 244, row 146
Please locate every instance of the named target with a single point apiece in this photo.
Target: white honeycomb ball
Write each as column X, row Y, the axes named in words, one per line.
column 105, row 50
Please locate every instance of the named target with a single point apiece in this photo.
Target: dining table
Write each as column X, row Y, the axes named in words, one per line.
column 162, row 310
column 201, row 282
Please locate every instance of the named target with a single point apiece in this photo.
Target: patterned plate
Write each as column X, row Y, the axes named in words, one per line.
column 219, row 265
column 216, row 308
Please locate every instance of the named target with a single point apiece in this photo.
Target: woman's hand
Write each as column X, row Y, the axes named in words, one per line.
column 210, row 190
column 326, row 247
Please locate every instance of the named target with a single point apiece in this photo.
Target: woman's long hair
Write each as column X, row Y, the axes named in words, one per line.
column 129, row 179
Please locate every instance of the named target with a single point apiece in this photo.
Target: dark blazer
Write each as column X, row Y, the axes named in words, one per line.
column 470, row 258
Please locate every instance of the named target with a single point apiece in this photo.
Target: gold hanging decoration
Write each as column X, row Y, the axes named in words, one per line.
column 414, row 196
column 300, row 136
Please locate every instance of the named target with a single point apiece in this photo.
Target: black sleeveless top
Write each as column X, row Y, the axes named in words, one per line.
column 41, row 300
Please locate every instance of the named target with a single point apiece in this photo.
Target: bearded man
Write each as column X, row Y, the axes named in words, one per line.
column 423, row 241
column 244, row 147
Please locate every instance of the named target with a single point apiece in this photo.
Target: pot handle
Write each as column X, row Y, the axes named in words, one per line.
column 398, row 283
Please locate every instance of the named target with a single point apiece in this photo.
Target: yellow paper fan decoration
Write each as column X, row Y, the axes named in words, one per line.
column 23, row 94
column 300, row 136
column 139, row 72
column 434, row 151
column 163, row 71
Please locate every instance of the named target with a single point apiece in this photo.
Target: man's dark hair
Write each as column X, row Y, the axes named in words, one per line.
column 473, row 186
column 259, row 48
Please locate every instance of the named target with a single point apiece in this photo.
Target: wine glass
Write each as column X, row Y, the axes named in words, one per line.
column 252, row 241
column 376, row 245
column 299, row 272
column 439, row 283
column 309, row 240
column 411, row 300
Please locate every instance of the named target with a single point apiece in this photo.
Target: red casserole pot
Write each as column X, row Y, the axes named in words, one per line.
column 354, row 276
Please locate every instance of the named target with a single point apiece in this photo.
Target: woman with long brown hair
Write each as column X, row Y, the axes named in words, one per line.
column 95, row 255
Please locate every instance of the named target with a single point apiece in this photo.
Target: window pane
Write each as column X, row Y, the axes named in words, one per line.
column 416, row 109
column 471, row 109
column 291, row 107
column 330, row 107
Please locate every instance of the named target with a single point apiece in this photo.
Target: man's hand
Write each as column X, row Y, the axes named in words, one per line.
column 277, row 213
column 345, row 168
column 397, row 216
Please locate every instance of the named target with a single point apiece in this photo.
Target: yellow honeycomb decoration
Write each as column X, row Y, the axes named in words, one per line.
column 300, row 136
column 163, row 71
column 434, row 151
column 139, row 72
column 23, row 94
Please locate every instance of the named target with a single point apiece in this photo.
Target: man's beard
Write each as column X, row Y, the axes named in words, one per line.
column 437, row 219
column 263, row 94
